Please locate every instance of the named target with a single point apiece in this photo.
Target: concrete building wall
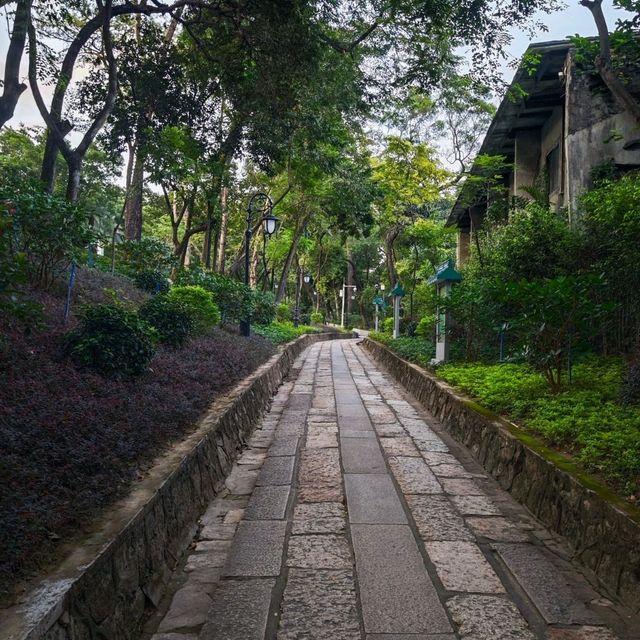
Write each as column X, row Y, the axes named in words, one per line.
column 551, row 147
column 526, row 160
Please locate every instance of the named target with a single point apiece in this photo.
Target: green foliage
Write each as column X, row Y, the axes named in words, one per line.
column 550, row 316
column 284, row 312
column 46, row 229
column 316, row 318
column 387, row 325
column 170, row 318
column 148, row 255
column 112, row 340
column 414, row 349
column 234, row 299
column 280, row 332
column 151, row 281
column 585, row 418
column 264, row 307
column 14, row 272
column 630, row 390
column 199, row 304
column 425, row 328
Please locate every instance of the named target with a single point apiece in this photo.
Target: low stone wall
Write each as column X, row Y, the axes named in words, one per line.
column 104, row 586
column 602, row 529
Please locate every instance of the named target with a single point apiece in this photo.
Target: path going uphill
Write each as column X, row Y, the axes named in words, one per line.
column 353, row 516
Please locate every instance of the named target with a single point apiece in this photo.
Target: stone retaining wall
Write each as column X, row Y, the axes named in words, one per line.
column 103, row 588
column 602, row 529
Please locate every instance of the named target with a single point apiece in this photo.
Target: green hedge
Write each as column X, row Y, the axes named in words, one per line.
column 281, row 332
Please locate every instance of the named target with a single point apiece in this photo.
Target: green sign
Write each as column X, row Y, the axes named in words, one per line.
column 378, row 300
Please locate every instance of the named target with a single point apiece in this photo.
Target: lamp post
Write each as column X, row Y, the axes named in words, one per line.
column 343, row 295
column 259, row 203
column 379, row 288
column 307, row 279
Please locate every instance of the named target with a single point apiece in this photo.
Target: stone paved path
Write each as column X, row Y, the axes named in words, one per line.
column 352, row 516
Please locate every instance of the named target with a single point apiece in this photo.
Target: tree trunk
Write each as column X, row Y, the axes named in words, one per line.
column 222, row 236
column 133, row 206
column 282, row 286
column 12, row 86
column 603, row 61
column 390, row 238
column 74, row 163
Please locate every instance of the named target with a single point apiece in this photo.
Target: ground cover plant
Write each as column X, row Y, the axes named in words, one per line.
column 72, row 440
column 585, row 418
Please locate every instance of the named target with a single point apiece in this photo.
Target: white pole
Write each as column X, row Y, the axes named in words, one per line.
column 396, row 316
column 343, row 298
column 376, row 317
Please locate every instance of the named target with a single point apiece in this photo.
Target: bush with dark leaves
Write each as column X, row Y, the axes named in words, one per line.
column 170, row 318
column 112, row 340
column 151, row 281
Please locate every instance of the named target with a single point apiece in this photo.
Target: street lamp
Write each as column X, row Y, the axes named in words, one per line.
column 343, row 295
column 379, row 288
column 306, row 278
column 260, row 203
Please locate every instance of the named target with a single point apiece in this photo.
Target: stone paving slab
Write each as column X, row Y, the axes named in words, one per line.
column 410, row 636
column 497, row 529
column 462, row 567
column 475, row 505
column 268, row 503
column 362, row 455
column 414, row 476
column 319, row 605
column 581, row 633
column 239, row 610
column 319, row 552
column 461, row 487
column 396, row 592
column 277, row 470
column 372, row 499
column 188, row 609
column 544, row 584
column 285, row 446
column 437, row 519
column 257, row 549
column 488, row 618
column 319, row 517
column 401, row 446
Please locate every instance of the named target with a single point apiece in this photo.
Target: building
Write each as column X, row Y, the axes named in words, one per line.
column 555, row 125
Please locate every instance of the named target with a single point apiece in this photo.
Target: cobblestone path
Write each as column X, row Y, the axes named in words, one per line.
column 352, row 516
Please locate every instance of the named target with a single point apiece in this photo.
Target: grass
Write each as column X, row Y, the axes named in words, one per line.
column 585, row 420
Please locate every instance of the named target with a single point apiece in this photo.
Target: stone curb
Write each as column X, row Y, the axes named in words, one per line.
column 603, row 531
column 105, row 584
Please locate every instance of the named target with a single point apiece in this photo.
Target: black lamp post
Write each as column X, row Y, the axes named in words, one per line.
column 307, row 279
column 259, row 203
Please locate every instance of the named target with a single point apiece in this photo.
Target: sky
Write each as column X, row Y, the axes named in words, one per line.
column 572, row 20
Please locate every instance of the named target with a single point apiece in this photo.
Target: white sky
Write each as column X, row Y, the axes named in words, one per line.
column 572, row 20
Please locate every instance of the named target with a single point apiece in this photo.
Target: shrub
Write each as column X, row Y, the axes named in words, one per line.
column 151, row 281
column 234, row 299
column 149, row 254
column 283, row 312
column 317, row 318
column 14, row 271
column 281, row 332
column 425, row 328
column 112, row 340
column 199, row 305
column 48, row 230
column 264, row 308
column 549, row 317
column 170, row 318
column 387, row 326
